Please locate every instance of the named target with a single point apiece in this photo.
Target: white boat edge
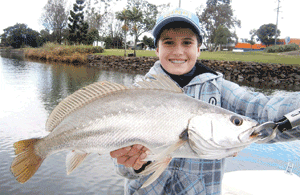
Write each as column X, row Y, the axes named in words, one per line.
column 260, row 182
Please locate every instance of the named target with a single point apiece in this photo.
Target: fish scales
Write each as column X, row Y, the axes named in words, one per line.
column 148, row 117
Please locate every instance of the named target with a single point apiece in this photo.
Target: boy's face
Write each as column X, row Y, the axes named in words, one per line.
column 178, row 50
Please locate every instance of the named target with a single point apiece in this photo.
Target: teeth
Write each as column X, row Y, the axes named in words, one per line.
column 177, row 61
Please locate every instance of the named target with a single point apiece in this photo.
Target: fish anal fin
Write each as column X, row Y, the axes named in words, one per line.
column 74, row 159
column 27, row 160
column 159, row 166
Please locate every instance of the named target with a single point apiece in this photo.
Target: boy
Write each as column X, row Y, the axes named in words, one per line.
column 178, row 39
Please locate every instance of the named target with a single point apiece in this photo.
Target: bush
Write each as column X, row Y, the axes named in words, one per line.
column 63, row 53
column 292, row 47
column 282, row 48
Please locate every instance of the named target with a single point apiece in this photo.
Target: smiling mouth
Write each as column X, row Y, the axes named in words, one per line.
column 178, row 61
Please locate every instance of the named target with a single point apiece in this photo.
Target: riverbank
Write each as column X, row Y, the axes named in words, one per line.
column 75, row 54
column 279, row 76
column 256, row 74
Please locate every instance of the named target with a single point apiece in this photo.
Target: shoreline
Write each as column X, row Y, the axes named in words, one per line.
column 256, row 74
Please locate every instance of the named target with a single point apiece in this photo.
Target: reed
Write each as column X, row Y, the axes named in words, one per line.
column 62, row 53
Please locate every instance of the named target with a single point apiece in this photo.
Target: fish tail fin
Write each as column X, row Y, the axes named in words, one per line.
column 27, row 161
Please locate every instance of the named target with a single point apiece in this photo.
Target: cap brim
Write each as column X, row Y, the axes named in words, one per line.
column 157, row 28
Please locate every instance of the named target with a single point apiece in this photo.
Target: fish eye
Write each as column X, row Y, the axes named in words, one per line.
column 238, row 121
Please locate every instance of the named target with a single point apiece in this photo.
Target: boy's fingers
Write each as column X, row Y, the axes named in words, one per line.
column 131, row 156
column 122, row 160
column 120, row 152
column 135, row 150
column 138, row 164
column 131, row 161
column 142, row 156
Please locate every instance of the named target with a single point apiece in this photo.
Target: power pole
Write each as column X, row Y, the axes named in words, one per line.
column 277, row 22
column 179, row 3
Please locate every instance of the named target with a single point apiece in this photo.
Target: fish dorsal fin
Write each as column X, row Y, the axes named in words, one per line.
column 160, row 81
column 79, row 99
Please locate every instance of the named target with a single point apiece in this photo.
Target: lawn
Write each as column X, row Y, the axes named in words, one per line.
column 259, row 56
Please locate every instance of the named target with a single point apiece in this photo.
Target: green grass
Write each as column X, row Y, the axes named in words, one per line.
column 258, row 56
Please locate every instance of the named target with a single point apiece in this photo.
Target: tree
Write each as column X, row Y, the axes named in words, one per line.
column 93, row 15
column 20, row 35
column 215, row 2
column 45, row 36
column 216, row 13
column 55, row 17
column 135, row 16
column 266, row 32
column 123, row 16
column 148, row 41
column 78, row 28
column 93, row 35
column 113, row 37
column 222, row 36
column 251, row 41
column 142, row 18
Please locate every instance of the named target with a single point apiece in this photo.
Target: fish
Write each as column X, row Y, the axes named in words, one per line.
column 106, row 116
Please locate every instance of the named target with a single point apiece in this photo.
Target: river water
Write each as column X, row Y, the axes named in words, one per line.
column 29, row 91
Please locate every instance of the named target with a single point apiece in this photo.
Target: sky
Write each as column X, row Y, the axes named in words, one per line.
column 252, row 13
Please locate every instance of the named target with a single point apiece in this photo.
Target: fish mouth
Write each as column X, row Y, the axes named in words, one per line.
column 250, row 135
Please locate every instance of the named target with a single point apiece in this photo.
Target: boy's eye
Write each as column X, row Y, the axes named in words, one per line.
column 187, row 43
column 168, row 42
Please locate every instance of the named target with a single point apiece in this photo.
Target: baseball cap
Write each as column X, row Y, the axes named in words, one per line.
column 176, row 15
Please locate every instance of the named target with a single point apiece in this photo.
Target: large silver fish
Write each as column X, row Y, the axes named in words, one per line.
column 105, row 116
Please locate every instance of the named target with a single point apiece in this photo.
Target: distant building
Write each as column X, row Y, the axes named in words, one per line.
column 99, row 43
column 249, row 47
column 282, row 41
column 243, row 45
column 139, row 45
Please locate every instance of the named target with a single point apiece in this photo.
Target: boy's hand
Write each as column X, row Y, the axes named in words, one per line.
column 131, row 156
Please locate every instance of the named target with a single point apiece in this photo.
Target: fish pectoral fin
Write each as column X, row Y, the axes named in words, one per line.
column 158, row 167
column 169, row 150
column 74, row 159
column 161, row 162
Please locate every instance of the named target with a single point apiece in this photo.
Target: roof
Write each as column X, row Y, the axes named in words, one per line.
column 296, row 41
column 248, row 46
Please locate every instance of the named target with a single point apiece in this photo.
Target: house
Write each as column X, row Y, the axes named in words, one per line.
column 139, row 45
column 99, row 43
column 282, row 41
